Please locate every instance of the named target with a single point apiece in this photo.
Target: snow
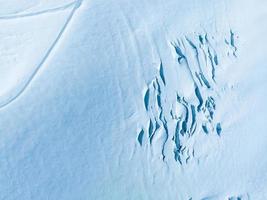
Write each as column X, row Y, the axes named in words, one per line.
column 133, row 99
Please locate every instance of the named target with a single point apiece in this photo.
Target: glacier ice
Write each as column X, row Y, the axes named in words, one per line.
column 131, row 99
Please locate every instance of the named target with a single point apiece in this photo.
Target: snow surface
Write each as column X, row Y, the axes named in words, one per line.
column 131, row 99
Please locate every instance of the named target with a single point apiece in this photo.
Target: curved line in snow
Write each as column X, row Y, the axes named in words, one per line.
column 16, row 95
column 16, row 16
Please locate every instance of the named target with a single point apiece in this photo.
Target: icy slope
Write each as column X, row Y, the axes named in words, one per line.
column 23, row 33
column 133, row 100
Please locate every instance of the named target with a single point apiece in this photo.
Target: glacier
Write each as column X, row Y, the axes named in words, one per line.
column 131, row 99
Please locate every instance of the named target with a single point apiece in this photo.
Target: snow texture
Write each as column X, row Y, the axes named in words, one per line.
column 133, row 100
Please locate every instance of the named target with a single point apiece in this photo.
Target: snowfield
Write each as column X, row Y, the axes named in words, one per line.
column 133, row 100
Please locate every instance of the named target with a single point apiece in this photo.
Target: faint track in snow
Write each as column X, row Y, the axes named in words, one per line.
column 51, row 10
column 75, row 5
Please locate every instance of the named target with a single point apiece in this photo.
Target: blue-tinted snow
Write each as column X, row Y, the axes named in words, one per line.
column 74, row 130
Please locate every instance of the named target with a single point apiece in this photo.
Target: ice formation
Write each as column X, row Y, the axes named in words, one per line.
column 132, row 99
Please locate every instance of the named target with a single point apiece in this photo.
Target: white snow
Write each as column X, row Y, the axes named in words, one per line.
column 133, row 99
